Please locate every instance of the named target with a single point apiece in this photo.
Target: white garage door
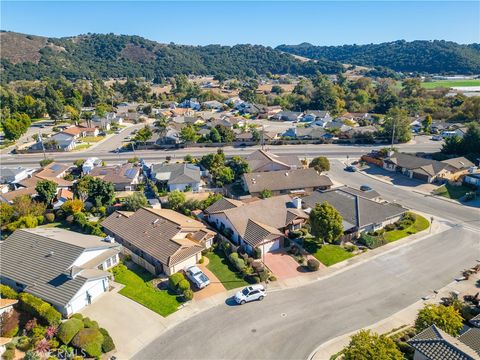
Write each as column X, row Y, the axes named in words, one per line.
column 271, row 246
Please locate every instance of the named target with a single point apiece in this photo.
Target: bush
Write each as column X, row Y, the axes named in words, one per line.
column 60, row 214
column 68, row 329
column 351, row 248
column 237, row 262
column 88, row 323
column 9, row 354
column 72, row 207
column 89, row 340
column 294, row 234
column 188, row 295
column 263, row 275
column 39, row 309
column 24, row 344
column 175, row 279
column 108, row 344
column 257, row 253
column 6, row 292
column 183, row 285
column 80, row 218
column 202, row 260
column 389, row 227
column 9, row 323
column 77, row 316
column 255, row 279
column 313, row 264
column 40, row 219
column 50, row 217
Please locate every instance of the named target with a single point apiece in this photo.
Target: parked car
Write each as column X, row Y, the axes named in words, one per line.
column 250, row 293
column 128, row 138
column 350, row 168
column 365, row 188
column 437, row 138
column 197, row 277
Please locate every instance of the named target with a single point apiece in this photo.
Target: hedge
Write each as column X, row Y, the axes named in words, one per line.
column 89, row 340
column 108, row 344
column 175, row 279
column 68, row 329
column 183, row 285
column 39, row 309
column 6, row 292
column 88, row 323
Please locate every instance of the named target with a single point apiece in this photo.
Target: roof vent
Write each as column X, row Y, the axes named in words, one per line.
column 155, row 221
column 286, row 174
column 50, row 254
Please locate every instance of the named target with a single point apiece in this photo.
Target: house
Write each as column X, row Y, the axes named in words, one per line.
column 108, row 120
column 427, row 170
column 261, row 224
column 234, row 102
column 54, row 172
column 177, row 176
column 160, row 240
column 310, row 133
column 8, row 197
column 319, row 117
column 170, row 137
column 337, row 125
column 190, row 104
column 261, row 161
column 359, row 210
column 293, row 116
column 435, row 344
column 123, row 177
column 215, row 105
column 244, row 136
column 65, row 268
column 60, row 141
column 80, row 131
column 6, row 306
column 298, row 181
column 13, row 175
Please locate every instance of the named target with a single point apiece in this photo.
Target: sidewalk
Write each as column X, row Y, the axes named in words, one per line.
column 403, row 318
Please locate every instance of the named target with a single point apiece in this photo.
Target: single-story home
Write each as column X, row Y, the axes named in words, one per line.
column 177, row 176
column 427, row 170
column 435, row 344
column 262, row 161
column 293, row 116
column 298, row 181
column 60, row 141
column 80, row 131
column 472, row 179
column 319, row 117
column 259, row 224
column 65, row 268
column 360, row 213
column 160, row 240
column 63, row 195
column 123, row 177
column 13, row 175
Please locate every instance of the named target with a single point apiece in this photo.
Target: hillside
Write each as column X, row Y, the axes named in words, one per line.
column 416, row 56
column 113, row 56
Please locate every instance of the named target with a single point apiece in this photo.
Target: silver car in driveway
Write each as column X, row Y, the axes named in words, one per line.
column 250, row 293
column 197, row 277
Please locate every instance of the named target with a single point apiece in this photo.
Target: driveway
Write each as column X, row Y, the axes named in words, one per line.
column 131, row 325
column 215, row 286
column 282, row 265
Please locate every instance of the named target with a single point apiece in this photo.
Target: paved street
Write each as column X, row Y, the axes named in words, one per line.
column 105, row 151
column 289, row 324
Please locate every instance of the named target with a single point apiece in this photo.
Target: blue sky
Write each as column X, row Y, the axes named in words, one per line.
column 268, row 23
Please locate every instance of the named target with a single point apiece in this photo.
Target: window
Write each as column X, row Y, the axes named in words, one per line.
column 109, row 263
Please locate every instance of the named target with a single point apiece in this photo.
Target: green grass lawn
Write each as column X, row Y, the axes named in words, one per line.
column 82, row 146
column 326, row 254
column 452, row 192
column 449, row 83
column 92, row 139
column 420, row 224
column 139, row 289
column 224, row 271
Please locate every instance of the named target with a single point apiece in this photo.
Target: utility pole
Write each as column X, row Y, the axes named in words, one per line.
column 393, row 133
column 43, row 146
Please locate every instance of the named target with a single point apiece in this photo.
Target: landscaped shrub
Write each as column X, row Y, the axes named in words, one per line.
column 188, row 295
column 77, row 316
column 89, row 340
column 351, row 248
column 80, row 218
column 9, row 353
column 183, row 285
column 313, row 264
column 9, row 323
column 40, row 309
column 40, row 219
column 50, row 217
column 202, row 260
column 88, row 323
column 108, row 344
column 60, row 214
column 6, row 292
column 68, row 329
column 257, row 253
column 263, row 275
column 24, row 344
column 389, row 227
column 237, row 262
column 294, row 234
column 174, row 280
column 73, row 206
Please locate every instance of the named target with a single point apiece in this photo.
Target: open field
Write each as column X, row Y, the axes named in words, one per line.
column 450, row 83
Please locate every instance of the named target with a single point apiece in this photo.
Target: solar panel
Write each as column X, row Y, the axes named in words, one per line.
column 56, row 167
column 130, row 173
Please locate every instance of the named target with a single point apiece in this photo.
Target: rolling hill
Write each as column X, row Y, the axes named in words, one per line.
column 112, row 56
column 432, row 57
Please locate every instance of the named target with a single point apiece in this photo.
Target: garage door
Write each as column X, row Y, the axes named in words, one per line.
column 418, row 176
column 271, row 246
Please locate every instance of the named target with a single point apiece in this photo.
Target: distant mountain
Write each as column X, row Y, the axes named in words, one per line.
column 112, row 56
column 416, row 56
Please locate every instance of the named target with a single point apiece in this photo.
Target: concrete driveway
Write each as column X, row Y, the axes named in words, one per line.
column 282, row 265
column 131, row 325
column 215, row 286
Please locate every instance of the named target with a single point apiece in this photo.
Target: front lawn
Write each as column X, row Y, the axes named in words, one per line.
column 139, row 288
column 452, row 192
column 224, row 271
column 92, row 139
column 327, row 254
column 410, row 224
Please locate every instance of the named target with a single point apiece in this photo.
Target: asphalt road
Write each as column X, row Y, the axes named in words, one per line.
column 290, row 324
column 105, row 151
